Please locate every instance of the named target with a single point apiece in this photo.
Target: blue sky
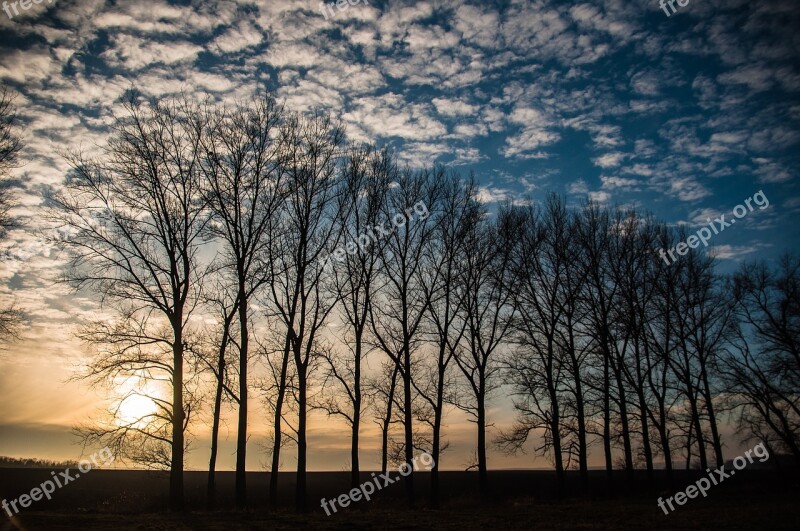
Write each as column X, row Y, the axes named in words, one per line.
column 685, row 116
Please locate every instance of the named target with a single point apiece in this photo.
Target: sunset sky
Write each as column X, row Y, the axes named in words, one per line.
column 685, row 116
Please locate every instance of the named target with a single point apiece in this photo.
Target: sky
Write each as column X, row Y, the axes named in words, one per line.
column 685, row 116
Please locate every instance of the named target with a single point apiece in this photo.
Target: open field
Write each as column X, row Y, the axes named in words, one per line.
column 136, row 500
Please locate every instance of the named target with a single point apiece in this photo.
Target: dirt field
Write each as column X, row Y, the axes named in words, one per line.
column 135, row 500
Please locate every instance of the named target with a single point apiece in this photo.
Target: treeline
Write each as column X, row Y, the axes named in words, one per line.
column 227, row 239
column 27, row 462
column 612, row 344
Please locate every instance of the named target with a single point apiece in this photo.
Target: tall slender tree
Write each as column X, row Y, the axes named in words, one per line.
column 243, row 168
column 212, row 354
column 137, row 215
column 460, row 213
column 593, row 234
column 397, row 315
column 761, row 367
column 487, row 278
column 302, row 235
column 536, row 370
column 368, row 174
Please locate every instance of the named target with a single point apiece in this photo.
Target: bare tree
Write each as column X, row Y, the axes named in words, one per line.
column 368, row 174
column 487, row 278
column 10, row 146
column 304, row 230
column 685, row 364
column 397, row 314
column 594, row 234
column 136, row 215
column 619, row 334
column 657, row 321
column 459, row 214
column 709, row 316
column 280, row 378
column 536, row 369
column 243, row 175
column 761, row 368
column 210, row 353
column 574, row 343
column 635, row 242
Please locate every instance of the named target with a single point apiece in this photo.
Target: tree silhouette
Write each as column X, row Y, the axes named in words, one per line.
column 243, row 183
column 137, row 215
column 10, row 146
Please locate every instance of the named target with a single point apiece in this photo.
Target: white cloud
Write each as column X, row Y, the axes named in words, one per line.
column 246, row 35
column 769, row 171
column 687, row 189
column 756, row 77
column 734, row 252
column 609, row 160
column 452, row 107
column 490, row 194
column 391, row 115
column 600, row 196
column 30, row 66
column 610, row 182
column 578, row 187
column 134, row 53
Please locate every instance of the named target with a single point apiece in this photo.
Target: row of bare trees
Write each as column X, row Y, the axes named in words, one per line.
column 611, row 342
column 250, row 251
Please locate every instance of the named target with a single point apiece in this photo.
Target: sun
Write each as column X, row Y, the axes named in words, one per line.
column 136, row 400
column 134, row 410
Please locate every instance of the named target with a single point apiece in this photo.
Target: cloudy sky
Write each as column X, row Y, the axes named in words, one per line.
column 685, row 116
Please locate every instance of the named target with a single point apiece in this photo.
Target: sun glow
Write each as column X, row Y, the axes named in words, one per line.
column 135, row 405
column 135, row 409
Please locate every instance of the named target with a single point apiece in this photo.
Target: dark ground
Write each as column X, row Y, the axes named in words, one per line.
column 752, row 500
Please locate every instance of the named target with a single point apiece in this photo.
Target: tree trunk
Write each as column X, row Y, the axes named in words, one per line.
column 409, row 432
column 555, row 417
column 483, row 473
column 623, row 414
column 555, row 433
column 176, row 464
column 712, row 418
column 241, row 439
column 582, row 449
column 300, row 492
column 662, row 430
column 354, row 462
column 581, row 410
column 646, row 446
column 643, row 410
column 211, row 490
column 387, row 423
column 437, row 428
column 276, row 447
column 701, row 447
column 607, row 416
